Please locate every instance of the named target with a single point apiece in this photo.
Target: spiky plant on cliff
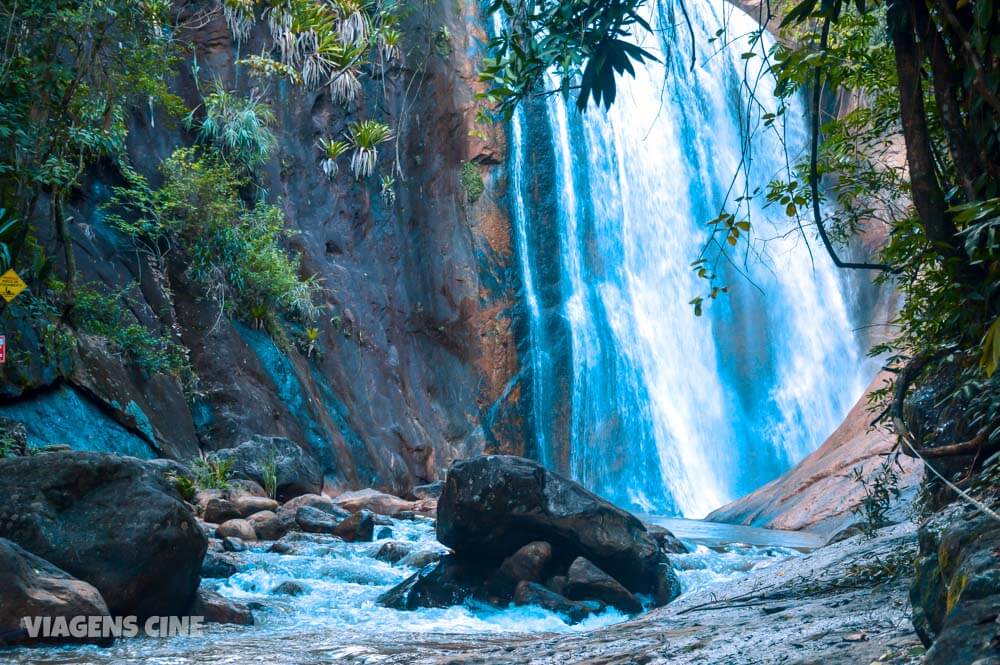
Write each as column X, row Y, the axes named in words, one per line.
column 388, row 190
column 365, row 136
column 238, row 126
column 389, row 41
column 239, row 18
column 353, row 25
column 332, row 150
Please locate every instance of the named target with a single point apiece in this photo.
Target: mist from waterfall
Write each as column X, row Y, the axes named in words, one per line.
column 628, row 391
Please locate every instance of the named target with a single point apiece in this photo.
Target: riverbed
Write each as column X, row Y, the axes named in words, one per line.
column 336, row 618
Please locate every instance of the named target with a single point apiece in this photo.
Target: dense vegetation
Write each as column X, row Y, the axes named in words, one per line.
column 71, row 73
column 926, row 76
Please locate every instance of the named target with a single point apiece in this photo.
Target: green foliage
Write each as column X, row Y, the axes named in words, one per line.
column 212, row 474
column 239, row 127
column 365, row 136
column 322, row 43
column 472, row 182
column 111, row 316
column 70, row 72
column 442, row 41
column 234, row 250
column 269, row 475
column 8, row 229
column 584, row 44
column 388, row 190
column 13, row 439
column 880, row 489
column 184, row 486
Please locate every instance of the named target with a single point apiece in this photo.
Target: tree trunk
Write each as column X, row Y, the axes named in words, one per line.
column 927, row 196
column 944, row 79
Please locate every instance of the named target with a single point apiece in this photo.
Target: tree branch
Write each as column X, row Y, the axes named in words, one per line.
column 814, row 170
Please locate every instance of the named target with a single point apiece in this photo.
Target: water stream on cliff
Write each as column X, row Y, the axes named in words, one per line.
column 631, row 394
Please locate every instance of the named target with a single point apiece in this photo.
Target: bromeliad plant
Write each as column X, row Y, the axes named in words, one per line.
column 365, row 136
column 239, row 127
column 332, row 150
column 331, row 43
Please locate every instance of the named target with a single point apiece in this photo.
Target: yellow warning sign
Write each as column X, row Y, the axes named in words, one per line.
column 11, row 285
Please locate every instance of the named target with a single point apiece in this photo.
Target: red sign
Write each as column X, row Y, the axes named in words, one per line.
column 3, row 349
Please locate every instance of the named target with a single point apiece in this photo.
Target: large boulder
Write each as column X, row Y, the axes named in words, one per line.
column 358, row 528
column 314, row 520
column 247, row 504
column 218, row 510
column 296, row 471
column 493, row 505
column 241, row 529
column 33, row 587
column 114, row 522
column 270, row 526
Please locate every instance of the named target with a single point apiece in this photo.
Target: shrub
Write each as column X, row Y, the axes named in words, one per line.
column 184, row 486
column 269, row 475
column 110, row 316
column 239, row 127
column 472, row 182
column 212, row 474
column 233, row 249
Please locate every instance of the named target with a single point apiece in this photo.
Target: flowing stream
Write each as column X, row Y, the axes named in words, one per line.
column 336, row 618
column 631, row 393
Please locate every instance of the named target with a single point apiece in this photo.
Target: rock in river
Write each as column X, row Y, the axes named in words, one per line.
column 586, row 581
column 532, row 593
column 217, row 609
column 114, row 522
column 32, row 587
column 493, row 505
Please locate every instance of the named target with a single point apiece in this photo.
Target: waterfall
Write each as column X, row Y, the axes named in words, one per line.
column 627, row 390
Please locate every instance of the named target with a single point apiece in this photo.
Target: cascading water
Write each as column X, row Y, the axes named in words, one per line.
column 630, row 393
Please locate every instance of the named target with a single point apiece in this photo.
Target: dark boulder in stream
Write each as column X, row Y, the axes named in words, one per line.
column 114, row 522
column 32, row 587
column 511, row 524
column 493, row 505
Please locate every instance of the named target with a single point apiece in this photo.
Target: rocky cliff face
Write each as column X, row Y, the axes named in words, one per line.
column 416, row 360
